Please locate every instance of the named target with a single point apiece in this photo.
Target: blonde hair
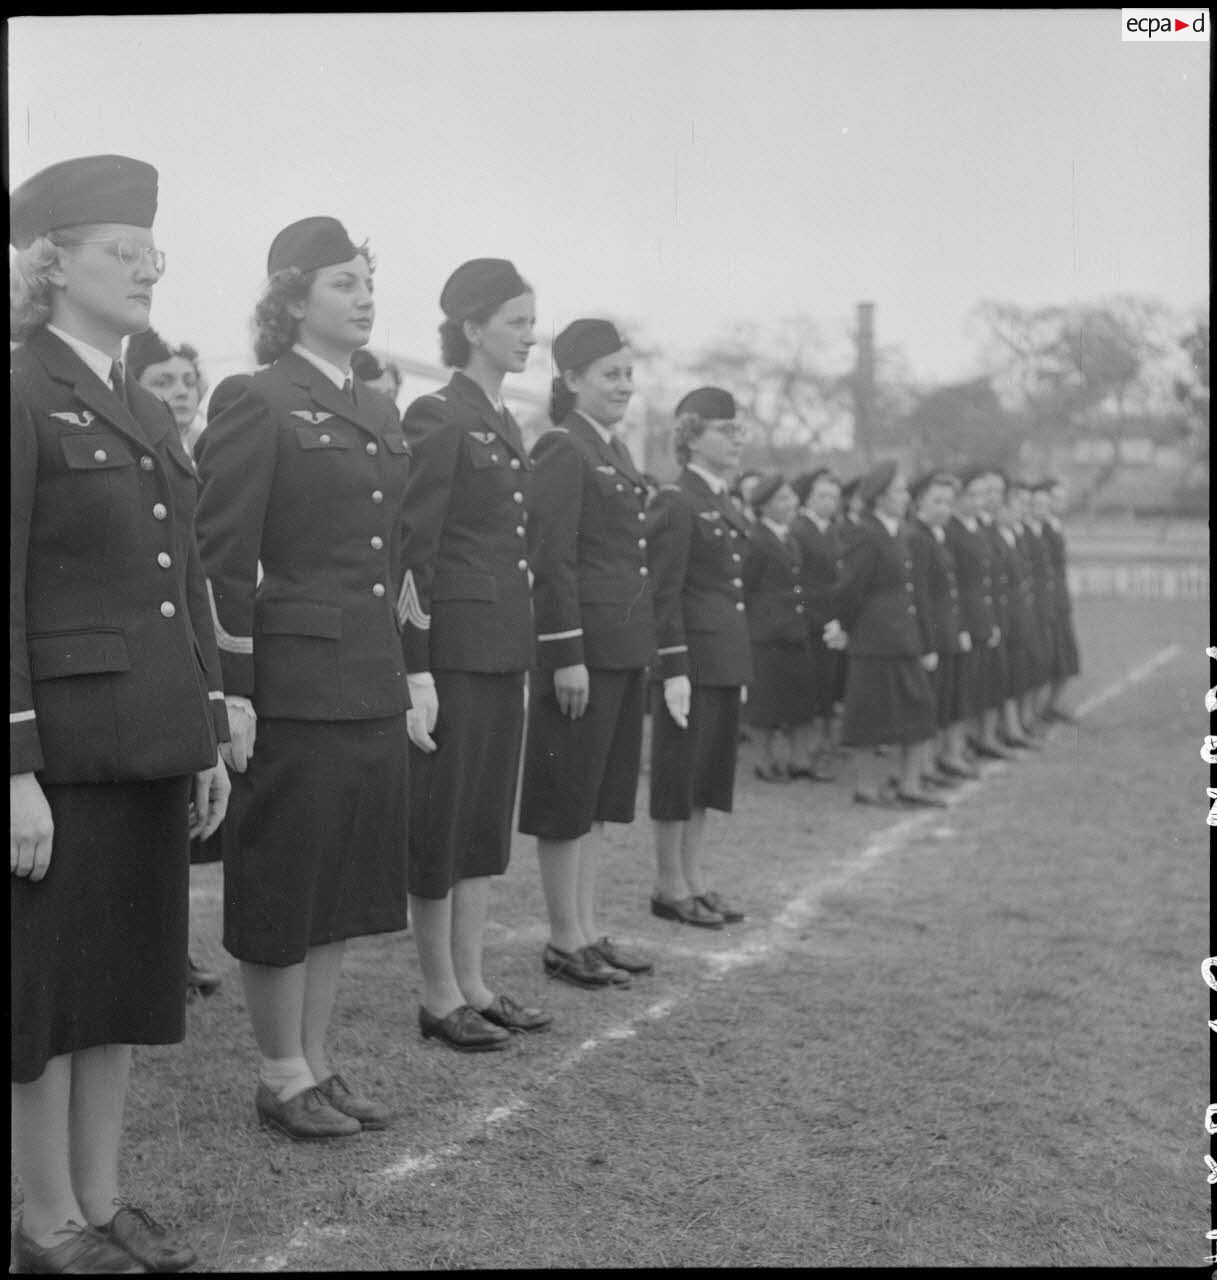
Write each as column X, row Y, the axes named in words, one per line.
column 29, row 287
column 689, row 426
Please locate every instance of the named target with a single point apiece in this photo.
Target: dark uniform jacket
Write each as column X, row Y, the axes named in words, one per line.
column 974, row 571
column 467, row 598
column 878, row 606
column 773, row 588
column 821, row 571
column 309, row 481
column 937, row 589
column 696, row 551
column 1054, row 544
column 1000, row 576
column 1044, row 585
column 113, row 671
column 1021, row 623
column 587, row 544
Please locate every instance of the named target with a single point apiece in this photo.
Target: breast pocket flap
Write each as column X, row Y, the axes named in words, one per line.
column 319, row 437
column 95, row 452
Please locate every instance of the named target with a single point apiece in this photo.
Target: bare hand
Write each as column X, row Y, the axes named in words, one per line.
column 30, row 827
column 677, row 695
column 210, row 800
column 242, row 730
column 570, row 688
column 421, row 718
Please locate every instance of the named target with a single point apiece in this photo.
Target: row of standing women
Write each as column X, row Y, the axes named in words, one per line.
column 349, row 613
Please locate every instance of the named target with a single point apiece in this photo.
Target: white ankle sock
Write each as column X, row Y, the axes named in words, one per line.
column 285, row 1077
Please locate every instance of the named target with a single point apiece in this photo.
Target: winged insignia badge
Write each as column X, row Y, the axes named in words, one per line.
column 76, row 419
column 608, row 471
column 710, row 515
column 483, row 437
column 310, row 416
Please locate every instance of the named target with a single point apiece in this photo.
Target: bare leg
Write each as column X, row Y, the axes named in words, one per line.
column 95, row 1127
column 470, row 902
column 323, row 969
column 559, row 861
column 589, row 866
column 670, row 876
column 40, row 1151
column 867, row 772
column 691, row 851
column 433, row 937
column 275, row 999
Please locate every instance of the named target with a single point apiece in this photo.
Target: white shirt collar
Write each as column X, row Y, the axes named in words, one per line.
column 822, row 525
column 603, row 432
column 969, row 523
column 984, row 517
column 97, row 360
column 1007, row 533
column 779, row 529
column 336, row 375
column 890, row 523
column 717, row 483
column 1034, row 525
column 1056, row 523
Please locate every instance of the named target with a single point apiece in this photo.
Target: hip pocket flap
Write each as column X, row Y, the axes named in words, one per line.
column 77, row 653
column 464, row 586
column 299, row 618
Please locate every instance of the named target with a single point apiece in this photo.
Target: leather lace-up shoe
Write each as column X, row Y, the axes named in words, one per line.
column 582, row 968
column 687, row 910
column 306, row 1116
column 987, row 752
column 505, row 1012
column 966, row 771
column 203, row 981
column 83, row 1251
column 717, row 903
column 339, row 1094
column 464, row 1029
column 138, row 1232
column 911, row 801
column 613, row 953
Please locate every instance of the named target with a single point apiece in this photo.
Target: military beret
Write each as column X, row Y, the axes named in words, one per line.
column 708, row 402
column 481, row 284
column 144, row 349
column 928, row 478
column 583, row 341
column 365, row 366
column 764, row 489
column 75, row 192
column 876, row 480
column 805, row 483
column 309, row 244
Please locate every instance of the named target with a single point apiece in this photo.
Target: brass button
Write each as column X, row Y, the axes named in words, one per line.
column 326, row 438
column 798, row 608
column 642, row 515
column 739, row 604
column 146, row 462
column 378, row 589
column 911, row 609
column 519, row 531
column 494, row 457
column 735, row 557
column 515, row 464
column 372, row 447
column 377, row 542
column 160, row 511
column 642, row 542
column 737, row 582
column 522, row 565
column 377, row 496
column 100, row 455
column 164, row 559
column 643, row 571
column 718, row 533
column 168, row 609
column 519, row 497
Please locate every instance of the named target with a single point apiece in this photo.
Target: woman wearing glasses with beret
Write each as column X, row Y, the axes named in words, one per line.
column 115, row 711
column 696, row 550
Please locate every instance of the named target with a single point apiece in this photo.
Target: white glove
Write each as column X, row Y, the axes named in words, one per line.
column 421, row 718
column 677, row 694
column 965, row 642
column 242, row 730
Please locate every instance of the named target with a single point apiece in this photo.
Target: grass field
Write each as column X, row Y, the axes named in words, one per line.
column 968, row 1037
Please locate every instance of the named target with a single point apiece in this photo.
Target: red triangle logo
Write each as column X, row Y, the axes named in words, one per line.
column 1181, row 26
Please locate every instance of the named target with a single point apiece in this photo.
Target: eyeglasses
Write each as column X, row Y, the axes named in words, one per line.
column 130, row 252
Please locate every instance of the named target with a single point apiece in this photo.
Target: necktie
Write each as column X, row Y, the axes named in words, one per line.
column 117, row 380
column 348, row 389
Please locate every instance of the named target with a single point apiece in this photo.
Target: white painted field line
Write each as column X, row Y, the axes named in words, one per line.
column 1135, row 676
column 720, row 963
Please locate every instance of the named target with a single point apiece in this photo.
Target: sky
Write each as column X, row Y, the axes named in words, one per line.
column 680, row 172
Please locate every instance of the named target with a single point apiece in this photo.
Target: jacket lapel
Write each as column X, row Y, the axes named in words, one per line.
column 64, row 365
column 615, row 455
column 326, row 398
column 503, row 425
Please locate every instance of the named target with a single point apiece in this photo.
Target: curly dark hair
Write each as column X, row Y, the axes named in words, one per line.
column 274, row 327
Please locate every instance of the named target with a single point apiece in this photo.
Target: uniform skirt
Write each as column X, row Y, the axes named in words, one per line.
column 969, row 693
column 315, row 838
column 584, row 771
column 782, row 691
column 887, row 700
column 98, row 946
column 827, row 677
column 463, row 793
column 945, row 680
column 694, row 768
column 1066, row 659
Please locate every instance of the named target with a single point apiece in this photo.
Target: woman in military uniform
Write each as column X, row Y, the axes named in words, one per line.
column 173, row 374
column 468, row 634
column 782, row 697
column 696, row 551
column 595, row 636
column 1050, row 500
column 303, row 474
column 888, row 697
column 115, row 710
